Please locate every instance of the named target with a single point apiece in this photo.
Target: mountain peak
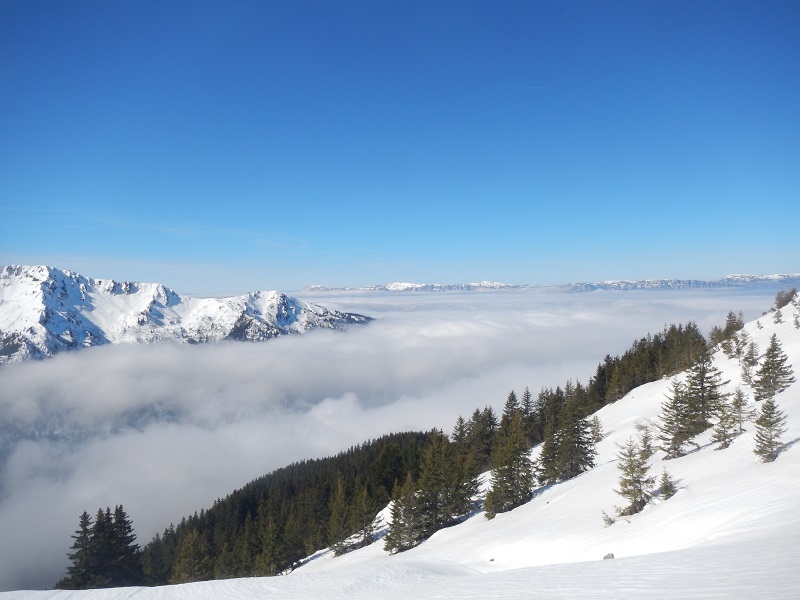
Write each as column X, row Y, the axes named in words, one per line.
column 44, row 311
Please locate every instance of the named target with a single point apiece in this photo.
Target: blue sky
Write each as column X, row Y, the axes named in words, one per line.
column 220, row 147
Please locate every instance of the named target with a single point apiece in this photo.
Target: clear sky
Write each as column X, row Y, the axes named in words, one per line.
column 220, row 147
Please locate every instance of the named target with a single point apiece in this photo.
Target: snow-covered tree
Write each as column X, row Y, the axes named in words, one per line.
column 726, row 425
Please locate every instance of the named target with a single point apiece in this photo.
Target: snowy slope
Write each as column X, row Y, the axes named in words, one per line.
column 731, row 531
column 45, row 310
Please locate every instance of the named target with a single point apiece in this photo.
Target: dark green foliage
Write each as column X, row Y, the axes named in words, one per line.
column 105, row 553
column 676, row 427
column 635, row 482
column 339, row 522
column 405, row 530
column 703, row 393
column 270, row 524
column 193, row 562
column 769, row 429
column 568, row 450
column 774, row 375
column 512, row 478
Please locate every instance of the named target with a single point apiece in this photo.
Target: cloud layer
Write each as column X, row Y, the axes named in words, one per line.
column 235, row 411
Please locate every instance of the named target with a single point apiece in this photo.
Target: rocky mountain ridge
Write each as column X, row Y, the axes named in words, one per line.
column 44, row 311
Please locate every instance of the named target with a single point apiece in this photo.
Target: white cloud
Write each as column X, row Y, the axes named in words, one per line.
column 246, row 409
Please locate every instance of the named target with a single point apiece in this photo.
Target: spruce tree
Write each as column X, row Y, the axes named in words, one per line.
column 749, row 362
column 576, row 450
column 725, row 427
column 674, row 429
column 596, row 430
column 436, row 484
column 512, row 477
column 127, row 562
column 740, row 409
column 79, row 573
column 192, row 563
column 703, row 392
column 774, row 375
column 645, row 440
column 339, row 521
column 635, row 483
column 666, row 485
column 362, row 515
column 510, row 408
column 405, row 530
column 769, row 429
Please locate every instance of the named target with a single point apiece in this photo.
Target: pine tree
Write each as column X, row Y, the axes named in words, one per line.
column 703, row 392
column 192, row 563
column 528, row 408
column 362, row 515
column 769, row 429
column 79, row 573
column 774, row 375
column 635, row 483
column 576, row 450
column 675, row 431
column 405, row 530
column 645, row 440
column 436, row 484
column 127, row 562
column 666, row 485
column 596, row 430
column 740, row 410
column 512, row 477
column 725, row 427
column 749, row 362
column 338, row 523
column 510, row 408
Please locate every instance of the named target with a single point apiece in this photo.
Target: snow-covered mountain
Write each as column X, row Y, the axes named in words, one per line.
column 729, row 281
column 731, row 531
column 45, row 310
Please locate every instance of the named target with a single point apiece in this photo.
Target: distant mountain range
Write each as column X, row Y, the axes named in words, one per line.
column 729, row 281
column 45, row 310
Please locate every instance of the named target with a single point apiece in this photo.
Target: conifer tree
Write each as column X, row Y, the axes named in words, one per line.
column 512, row 477
column 645, row 440
column 635, row 483
column 596, row 430
column 703, row 392
column 436, row 484
column 528, row 408
column 666, row 485
column 362, row 515
column 405, row 530
column 725, row 427
column 510, row 408
column 338, row 523
column 126, row 564
column 674, row 429
column 774, row 375
column 769, row 429
column 740, row 409
column 576, row 450
column 79, row 573
column 749, row 362
column 192, row 563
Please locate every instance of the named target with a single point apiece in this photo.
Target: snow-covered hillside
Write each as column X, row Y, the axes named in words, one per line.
column 45, row 310
column 731, row 531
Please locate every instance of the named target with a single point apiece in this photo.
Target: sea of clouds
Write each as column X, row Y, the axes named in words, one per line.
column 230, row 412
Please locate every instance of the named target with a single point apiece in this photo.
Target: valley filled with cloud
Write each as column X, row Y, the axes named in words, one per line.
column 165, row 429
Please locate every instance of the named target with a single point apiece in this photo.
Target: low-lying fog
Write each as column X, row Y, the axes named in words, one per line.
column 235, row 411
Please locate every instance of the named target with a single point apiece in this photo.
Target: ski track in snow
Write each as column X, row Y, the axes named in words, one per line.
column 731, row 531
